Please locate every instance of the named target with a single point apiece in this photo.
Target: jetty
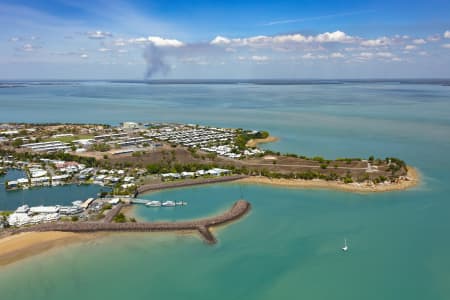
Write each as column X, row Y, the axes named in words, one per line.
column 185, row 183
column 202, row 226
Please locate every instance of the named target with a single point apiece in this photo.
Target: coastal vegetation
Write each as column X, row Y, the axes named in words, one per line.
column 243, row 136
column 173, row 153
column 120, row 218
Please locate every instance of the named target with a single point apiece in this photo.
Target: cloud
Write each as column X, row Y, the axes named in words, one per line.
column 84, row 56
column 337, row 55
column 312, row 56
column 104, row 50
column 337, row 36
column 419, row 41
column 434, row 38
column 410, row 47
column 382, row 41
column 277, row 40
column 446, row 46
column 366, row 55
column 98, row 35
column 157, row 41
column 120, row 43
column 29, row 48
column 259, row 58
column 385, row 54
column 447, row 34
column 220, row 40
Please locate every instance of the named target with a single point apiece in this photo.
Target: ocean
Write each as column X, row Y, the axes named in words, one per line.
column 288, row 247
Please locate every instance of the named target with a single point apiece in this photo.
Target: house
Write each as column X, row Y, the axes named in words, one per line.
column 187, row 174
column 217, row 171
column 114, row 201
column 12, row 184
column 170, row 176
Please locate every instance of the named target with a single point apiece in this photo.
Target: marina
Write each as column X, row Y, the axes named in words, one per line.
column 202, row 226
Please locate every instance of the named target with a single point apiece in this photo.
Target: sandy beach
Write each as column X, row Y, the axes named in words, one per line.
column 413, row 180
column 256, row 142
column 16, row 247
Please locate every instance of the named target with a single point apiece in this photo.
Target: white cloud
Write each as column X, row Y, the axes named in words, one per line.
column 84, row 56
column 385, row 54
column 447, row 34
column 337, row 55
column 220, row 40
column 446, row 46
column 259, row 58
column 419, row 41
column 119, row 43
column 104, row 50
column 271, row 41
column 98, row 35
column 157, row 41
column 337, row 36
column 410, row 47
column 382, row 41
column 161, row 42
column 365, row 55
column 27, row 47
column 434, row 38
column 288, row 38
column 312, row 56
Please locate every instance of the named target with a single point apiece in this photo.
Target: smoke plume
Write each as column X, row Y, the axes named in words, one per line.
column 154, row 57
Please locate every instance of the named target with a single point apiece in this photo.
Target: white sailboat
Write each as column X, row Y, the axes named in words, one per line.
column 345, row 248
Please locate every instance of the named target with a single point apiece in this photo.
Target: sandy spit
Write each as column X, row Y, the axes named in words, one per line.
column 255, row 142
column 413, row 180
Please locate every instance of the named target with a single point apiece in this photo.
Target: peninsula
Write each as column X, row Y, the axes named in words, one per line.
column 135, row 158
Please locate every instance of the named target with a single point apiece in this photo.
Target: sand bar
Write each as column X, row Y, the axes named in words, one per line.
column 255, row 142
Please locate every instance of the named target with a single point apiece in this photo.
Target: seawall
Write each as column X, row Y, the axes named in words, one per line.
column 202, row 226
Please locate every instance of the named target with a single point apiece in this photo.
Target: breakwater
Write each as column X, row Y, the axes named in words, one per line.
column 187, row 182
column 202, row 226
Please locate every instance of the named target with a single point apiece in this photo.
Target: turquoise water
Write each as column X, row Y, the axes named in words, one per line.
column 288, row 247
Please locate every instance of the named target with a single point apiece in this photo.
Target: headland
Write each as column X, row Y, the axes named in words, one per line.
column 136, row 158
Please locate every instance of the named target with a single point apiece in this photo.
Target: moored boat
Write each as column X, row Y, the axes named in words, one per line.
column 168, row 204
column 154, row 204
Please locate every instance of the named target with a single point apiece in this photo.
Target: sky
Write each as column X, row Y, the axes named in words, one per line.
column 200, row 39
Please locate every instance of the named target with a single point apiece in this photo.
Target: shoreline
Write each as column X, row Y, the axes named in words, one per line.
column 256, row 142
column 17, row 247
column 413, row 175
column 20, row 244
